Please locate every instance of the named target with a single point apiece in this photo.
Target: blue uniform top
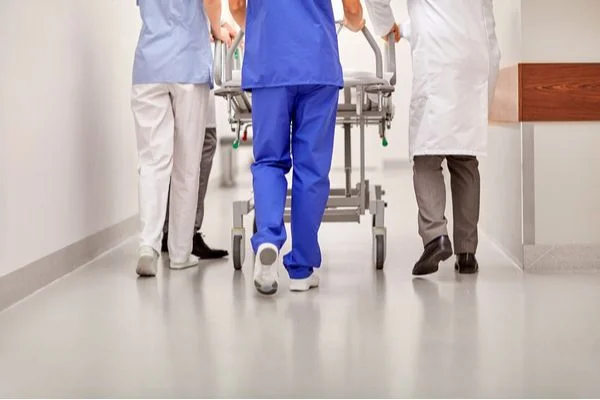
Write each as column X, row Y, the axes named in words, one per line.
column 174, row 44
column 291, row 42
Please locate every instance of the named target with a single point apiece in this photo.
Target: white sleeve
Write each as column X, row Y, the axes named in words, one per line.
column 381, row 15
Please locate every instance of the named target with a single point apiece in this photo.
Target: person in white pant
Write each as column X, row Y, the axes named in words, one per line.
column 455, row 58
column 171, row 84
column 199, row 247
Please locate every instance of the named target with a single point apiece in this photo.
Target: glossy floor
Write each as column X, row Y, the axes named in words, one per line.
column 100, row 332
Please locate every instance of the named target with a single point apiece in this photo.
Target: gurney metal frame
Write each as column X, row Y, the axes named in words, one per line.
column 373, row 106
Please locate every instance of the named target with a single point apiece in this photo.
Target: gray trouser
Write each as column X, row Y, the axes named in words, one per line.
column 430, row 191
column 208, row 153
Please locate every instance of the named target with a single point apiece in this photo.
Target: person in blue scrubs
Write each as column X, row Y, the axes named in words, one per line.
column 292, row 67
column 170, row 94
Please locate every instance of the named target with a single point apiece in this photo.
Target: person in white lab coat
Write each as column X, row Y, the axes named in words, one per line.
column 455, row 57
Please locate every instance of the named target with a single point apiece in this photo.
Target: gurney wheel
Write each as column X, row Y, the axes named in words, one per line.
column 237, row 253
column 379, row 251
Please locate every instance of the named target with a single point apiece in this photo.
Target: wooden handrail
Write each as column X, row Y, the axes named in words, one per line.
column 548, row 92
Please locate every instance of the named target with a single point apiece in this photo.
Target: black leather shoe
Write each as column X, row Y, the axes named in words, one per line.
column 466, row 263
column 439, row 249
column 201, row 249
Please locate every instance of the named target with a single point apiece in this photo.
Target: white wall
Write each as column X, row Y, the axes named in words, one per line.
column 566, row 154
column 68, row 146
column 501, row 169
column 559, row 31
column 567, row 183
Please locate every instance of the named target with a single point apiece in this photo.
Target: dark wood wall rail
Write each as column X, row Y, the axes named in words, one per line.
column 550, row 92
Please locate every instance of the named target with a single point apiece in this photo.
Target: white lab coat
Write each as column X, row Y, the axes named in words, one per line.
column 455, row 58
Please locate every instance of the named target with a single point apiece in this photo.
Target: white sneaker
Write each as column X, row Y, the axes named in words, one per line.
column 147, row 262
column 266, row 264
column 304, row 285
column 192, row 261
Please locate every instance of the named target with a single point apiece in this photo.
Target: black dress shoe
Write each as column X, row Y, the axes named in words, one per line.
column 466, row 263
column 201, row 249
column 439, row 249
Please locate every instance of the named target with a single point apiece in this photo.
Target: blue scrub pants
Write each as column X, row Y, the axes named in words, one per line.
column 310, row 111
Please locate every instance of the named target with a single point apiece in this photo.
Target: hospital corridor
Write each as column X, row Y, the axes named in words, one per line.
column 127, row 271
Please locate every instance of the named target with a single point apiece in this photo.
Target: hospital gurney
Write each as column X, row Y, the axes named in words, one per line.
column 366, row 100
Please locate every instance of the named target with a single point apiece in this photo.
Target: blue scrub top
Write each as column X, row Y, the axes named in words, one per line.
column 291, row 42
column 174, row 44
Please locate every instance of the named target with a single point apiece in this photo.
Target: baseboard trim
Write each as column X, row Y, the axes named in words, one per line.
column 562, row 258
column 23, row 282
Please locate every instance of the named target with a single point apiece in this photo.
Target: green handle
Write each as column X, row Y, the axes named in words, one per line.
column 236, row 144
column 236, row 54
column 384, row 142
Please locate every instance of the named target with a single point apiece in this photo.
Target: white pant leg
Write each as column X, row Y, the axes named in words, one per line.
column 190, row 106
column 155, row 127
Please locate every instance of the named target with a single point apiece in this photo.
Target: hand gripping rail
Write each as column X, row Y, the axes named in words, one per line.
column 366, row 101
column 229, row 55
